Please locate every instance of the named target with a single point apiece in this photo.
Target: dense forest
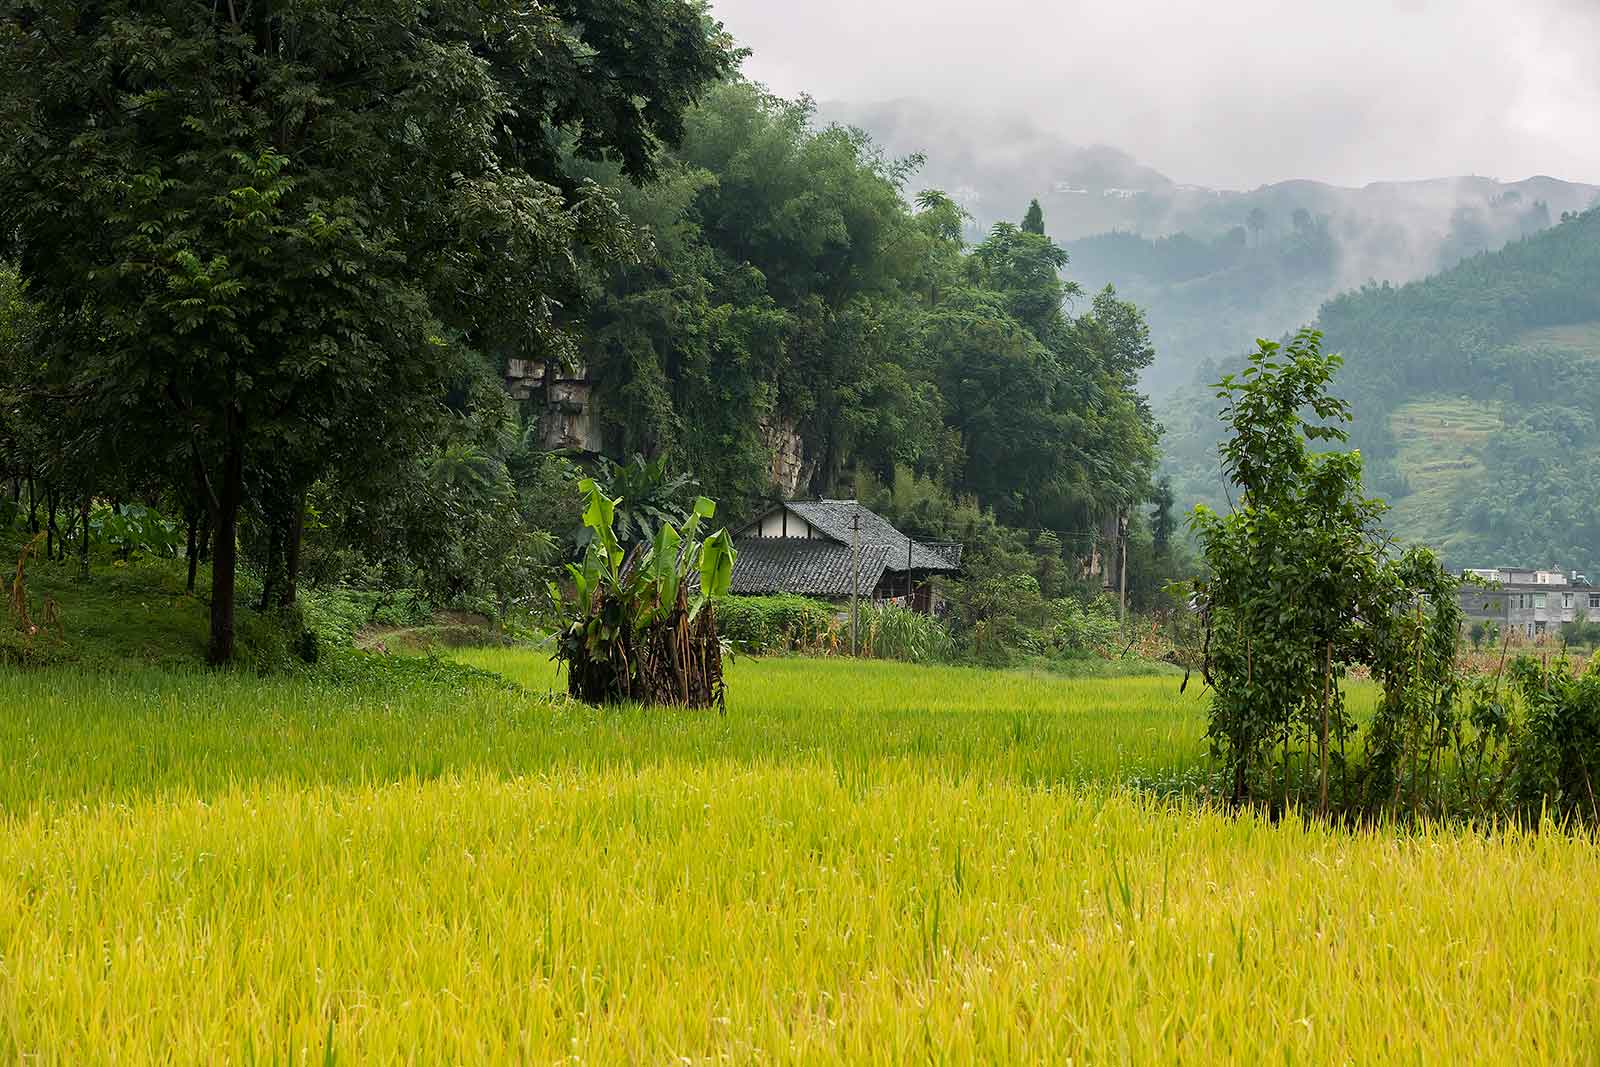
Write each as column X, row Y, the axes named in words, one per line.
column 1475, row 394
column 790, row 285
column 267, row 278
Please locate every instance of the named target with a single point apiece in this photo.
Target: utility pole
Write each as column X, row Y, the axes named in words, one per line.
column 910, row 593
column 855, row 575
column 1122, row 582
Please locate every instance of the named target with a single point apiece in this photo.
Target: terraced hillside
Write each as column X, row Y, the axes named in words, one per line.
column 1477, row 399
column 1578, row 340
column 1440, row 442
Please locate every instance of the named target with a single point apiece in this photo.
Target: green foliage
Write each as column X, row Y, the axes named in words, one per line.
column 1582, row 631
column 1033, row 222
column 1412, row 650
column 135, row 528
column 786, row 623
column 648, row 497
column 794, row 298
column 1081, row 629
column 1300, row 588
column 267, row 239
column 1557, row 759
column 337, row 613
column 632, row 631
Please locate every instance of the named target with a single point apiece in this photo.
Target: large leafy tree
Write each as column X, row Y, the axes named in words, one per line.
column 266, row 236
column 791, row 285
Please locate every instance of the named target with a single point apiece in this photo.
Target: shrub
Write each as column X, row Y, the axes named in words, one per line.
column 889, row 631
column 1083, row 628
column 273, row 641
column 1000, row 616
column 1557, row 759
column 1581, row 631
column 336, row 613
column 764, row 624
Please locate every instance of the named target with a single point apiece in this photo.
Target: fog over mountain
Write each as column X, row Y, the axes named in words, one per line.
column 1227, row 93
column 1213, row 268
column 1230, row 165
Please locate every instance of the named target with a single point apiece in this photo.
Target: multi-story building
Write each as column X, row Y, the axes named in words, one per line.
column 1529, row 601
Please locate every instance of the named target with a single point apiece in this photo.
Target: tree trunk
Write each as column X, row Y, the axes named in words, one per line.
column 271, row 579
column 83, row 544
column 293, row 535
column 69, row 534
column 33, row 508
column 205, row 535
column 50, row 529
column 193, row 552
column 225, row 557
column 1327, row 686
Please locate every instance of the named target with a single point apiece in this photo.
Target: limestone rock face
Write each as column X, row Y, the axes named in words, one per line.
column 791, row 469
column 568, row 420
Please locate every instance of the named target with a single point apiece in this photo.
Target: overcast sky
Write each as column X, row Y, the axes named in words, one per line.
column 1231, row 93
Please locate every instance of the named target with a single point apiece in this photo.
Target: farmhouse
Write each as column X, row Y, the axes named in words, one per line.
column 1527, row 600
column 831, row 548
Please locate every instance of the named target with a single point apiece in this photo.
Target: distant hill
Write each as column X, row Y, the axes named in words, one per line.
column 1477, row 395
column 1213, row 268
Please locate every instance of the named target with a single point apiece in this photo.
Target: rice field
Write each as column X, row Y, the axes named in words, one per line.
column 859, row 863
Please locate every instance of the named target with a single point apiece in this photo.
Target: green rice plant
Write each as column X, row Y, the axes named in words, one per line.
column 711, row 910
column 395, row 859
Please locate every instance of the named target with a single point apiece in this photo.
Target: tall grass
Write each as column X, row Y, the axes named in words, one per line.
column 861, row 862
column 889, row 631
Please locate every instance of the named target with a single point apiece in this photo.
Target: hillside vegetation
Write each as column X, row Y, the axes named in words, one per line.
column 1475, row 395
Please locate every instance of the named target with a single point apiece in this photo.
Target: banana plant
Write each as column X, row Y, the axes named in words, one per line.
column 650, row 589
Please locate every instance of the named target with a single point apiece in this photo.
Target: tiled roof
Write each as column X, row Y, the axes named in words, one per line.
column 798, row 565
column 833, row 517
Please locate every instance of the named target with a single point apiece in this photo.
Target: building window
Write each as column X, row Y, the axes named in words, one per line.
column 1538, row 601
column 1594, row 601
column 1566, row 601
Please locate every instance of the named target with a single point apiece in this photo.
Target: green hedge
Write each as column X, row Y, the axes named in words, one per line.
column 762, row 624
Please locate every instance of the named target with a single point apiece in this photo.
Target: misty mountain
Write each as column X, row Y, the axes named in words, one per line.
column 1213, row 268
column 992, row 166
column 1475, row 394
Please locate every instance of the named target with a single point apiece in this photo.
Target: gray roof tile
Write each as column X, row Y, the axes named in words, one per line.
column 834, row 517
column 807, row 567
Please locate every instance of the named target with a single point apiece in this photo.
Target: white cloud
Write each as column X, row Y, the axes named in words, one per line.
column 1227, row 92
